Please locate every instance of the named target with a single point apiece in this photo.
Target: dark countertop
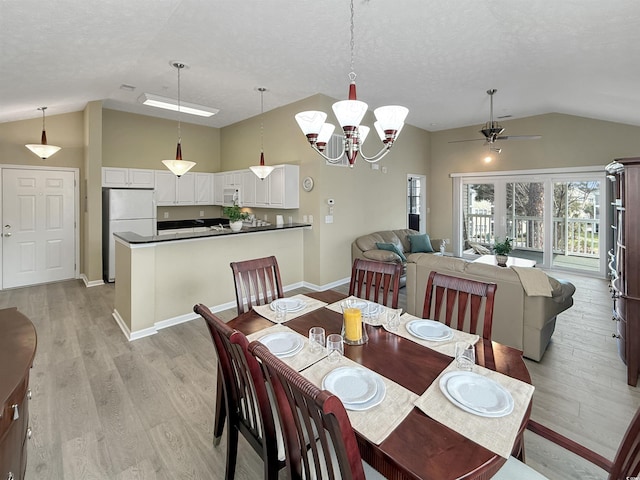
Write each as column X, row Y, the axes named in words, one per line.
column 198, row 222
column 134, row 238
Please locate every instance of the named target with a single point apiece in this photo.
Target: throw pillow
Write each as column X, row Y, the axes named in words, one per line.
column 420, row 243
column 392, row 248
column 480, row 249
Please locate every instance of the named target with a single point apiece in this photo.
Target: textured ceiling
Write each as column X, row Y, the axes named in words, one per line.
column 438, row 58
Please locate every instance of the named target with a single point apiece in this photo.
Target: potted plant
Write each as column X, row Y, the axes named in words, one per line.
column 502, row 250
column 236, row 216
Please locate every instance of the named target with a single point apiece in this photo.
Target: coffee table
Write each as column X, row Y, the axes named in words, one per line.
column 511, row 261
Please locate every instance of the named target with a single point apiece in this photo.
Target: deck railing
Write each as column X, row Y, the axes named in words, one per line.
column 571, row 236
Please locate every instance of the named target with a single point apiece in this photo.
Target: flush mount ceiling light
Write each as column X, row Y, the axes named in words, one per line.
column 390, row 120
column 42, row 149
column 178, row 166
column 262, row 171
column 171, row 104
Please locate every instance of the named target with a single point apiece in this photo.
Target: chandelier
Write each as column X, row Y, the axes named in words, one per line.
column 178, row 166
column 262, row 171
column 349, row 113
column 42, row 149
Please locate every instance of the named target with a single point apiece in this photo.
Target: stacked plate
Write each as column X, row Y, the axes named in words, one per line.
column 476, row 394
column 357, row 388
column 283, row 344
column 292, row 304
column 429, row 330
column 368, row 309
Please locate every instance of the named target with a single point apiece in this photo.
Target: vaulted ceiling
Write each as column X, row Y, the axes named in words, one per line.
column 438, row 58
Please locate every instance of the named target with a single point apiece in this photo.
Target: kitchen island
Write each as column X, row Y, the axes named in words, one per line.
column 160, row 278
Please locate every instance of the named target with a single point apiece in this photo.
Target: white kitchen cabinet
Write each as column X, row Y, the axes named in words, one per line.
column 262, row 192
column 165, row 188
column 218, row 188
column 204, row 188
column 284, row 187
column 117, row 177
column 248, row 188
column 186, row 189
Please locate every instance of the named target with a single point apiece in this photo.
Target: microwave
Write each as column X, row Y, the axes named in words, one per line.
column 231, row 196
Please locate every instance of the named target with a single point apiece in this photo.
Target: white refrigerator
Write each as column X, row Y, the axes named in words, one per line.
column 124, row 210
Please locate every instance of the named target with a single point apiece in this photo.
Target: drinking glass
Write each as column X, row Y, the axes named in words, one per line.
column 393, row 320
column 281, row 312
column 335, row 347
column 465, row 356
column 316, row 339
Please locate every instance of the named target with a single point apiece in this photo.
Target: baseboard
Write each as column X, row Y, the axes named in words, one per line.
column 92, row 283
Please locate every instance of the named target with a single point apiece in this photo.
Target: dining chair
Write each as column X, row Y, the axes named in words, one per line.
column 306, row 412
column 625, row 465
column 247, row 404
column 371, row 280
column 447, row 295
column 257, row 281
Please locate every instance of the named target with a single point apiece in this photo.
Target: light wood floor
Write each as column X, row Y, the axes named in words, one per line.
column 106, row 408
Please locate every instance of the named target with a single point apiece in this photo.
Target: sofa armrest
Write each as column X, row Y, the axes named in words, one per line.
column 382, row 256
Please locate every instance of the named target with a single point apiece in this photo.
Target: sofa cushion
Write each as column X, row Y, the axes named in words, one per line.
column 420, row 243
column 382, row 256
column 391, row 247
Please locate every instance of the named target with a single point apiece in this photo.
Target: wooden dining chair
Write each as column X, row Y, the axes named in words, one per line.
column 374, row 281
column 447, row 295
column 247, row 404
column 257, row 281
column 625, row 465
column 306, row 412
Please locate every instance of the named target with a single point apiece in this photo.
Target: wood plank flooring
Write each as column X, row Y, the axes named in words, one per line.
column 106, row 408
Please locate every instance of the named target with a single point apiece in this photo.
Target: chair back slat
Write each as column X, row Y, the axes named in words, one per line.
column 306, row 412
column 627, row 461
column 448, row 298
column 257, row 281
column 376, row 281
column 247, row 402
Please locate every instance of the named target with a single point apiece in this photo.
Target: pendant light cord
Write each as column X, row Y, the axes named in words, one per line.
column 262, row 120
column 352, row 75
column 179, row 66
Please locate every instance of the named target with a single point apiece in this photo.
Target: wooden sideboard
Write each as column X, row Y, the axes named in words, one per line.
column 625, row 261
column 17, row 349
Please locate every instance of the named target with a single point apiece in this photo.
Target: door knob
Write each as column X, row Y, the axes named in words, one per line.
column 8, row 234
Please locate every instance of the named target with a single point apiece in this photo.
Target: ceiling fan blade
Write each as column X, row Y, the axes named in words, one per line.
column 468, row 140
column 519, row 137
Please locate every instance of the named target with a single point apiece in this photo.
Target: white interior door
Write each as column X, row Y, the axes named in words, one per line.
column 38, row 226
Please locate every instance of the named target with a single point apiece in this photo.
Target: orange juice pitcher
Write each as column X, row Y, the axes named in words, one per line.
column 353, row 329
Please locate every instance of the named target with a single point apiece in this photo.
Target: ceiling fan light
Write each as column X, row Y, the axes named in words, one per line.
column 311, row 122
column 349, row 112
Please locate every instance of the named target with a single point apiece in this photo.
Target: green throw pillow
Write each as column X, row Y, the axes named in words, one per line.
column 392, row 247
column 420, row 243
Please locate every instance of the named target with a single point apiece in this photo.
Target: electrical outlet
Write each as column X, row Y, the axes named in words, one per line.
column 305, row 219
column 202, row 213
column 166, row 214
column 328, row 219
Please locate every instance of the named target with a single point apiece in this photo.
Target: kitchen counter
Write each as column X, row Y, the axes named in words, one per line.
column 215, row 231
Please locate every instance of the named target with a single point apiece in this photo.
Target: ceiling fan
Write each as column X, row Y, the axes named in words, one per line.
column 492, row 130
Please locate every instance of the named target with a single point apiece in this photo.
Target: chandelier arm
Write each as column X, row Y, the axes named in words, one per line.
column 328, row 158
column 378, row 156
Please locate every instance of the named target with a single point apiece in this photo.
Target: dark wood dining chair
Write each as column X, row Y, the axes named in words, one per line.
column 306, row 412
column 257, row 281
column 247, row 404
column 625, row 465
column 447, row 295
column 374, row 281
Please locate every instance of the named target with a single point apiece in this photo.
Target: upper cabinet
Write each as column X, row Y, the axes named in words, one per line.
column 204, row 188
column 279, row 190
column 116, row 177
column 172, row 190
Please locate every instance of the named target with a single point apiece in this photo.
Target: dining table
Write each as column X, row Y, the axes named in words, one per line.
column 419, row 447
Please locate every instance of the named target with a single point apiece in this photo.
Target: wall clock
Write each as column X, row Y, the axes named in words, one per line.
column 307, row 184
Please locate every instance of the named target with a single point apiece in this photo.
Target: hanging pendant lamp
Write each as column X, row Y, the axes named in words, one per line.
column 262, row 171
column 42, row 149
column 179, row 166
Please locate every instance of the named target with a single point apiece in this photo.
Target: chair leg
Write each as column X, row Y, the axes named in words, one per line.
column 220, row 413
column 232, row 451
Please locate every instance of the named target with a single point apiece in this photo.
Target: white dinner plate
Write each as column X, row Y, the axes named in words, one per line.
column 368, row 308
column 381, row 391
column 429, row 330
column 293, row 304
column 283, row 344
column 352, row 385
column 476, row 394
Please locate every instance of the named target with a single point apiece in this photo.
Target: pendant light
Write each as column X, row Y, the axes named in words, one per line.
column 42, row 149
column 262, row 171
column 179, row 166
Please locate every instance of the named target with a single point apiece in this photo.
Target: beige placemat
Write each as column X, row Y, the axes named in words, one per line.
column 446, row 347
column 300, row 360
column 377, row 422
column 495, row 434
column 335, row 306
column 312, row 304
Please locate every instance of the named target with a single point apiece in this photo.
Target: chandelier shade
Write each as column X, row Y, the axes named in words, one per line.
column 349, row 113
column 43, row 149
column 178, row 166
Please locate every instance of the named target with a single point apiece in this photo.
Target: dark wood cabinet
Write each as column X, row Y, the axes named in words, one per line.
column 17, row 350
column 624, row 261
